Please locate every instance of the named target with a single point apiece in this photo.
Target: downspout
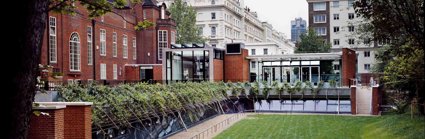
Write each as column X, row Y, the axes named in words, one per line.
column 93, row 23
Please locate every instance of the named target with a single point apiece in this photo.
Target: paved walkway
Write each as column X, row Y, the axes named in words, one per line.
column 363, row 100
column 210, row 128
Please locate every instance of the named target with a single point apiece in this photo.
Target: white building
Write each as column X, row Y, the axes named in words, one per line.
column 227, row 21
column 338, row 18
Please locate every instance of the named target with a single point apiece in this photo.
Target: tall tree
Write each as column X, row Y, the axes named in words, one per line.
column 311, row 43
column 185, row 17
column 401, row 61
column 27, row 37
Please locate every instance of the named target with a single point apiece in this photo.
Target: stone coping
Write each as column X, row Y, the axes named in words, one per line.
column 49, row 107
column 66, row 103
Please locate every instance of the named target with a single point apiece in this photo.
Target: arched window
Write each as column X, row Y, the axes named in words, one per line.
column 74, row 52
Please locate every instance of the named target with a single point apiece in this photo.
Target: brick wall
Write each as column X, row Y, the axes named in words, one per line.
column 67, row 120
column 78, row 122
column 132, row 73
column 349, row 60
column 236, row 67
column 47, row 127
column 218, row 70
column 376, row 100
column 157, row 72
column 353, row 100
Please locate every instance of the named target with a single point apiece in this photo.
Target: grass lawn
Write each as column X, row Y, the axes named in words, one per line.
column 326, row 127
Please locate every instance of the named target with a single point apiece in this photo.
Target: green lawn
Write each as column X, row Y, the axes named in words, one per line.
column 326, row 127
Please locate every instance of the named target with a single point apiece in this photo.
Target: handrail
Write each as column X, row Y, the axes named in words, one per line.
column 216, row 128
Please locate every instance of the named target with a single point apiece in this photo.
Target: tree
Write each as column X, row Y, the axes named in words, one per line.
column 27, row 35
column 402, row 60
column 311, row 43
column 185, row 17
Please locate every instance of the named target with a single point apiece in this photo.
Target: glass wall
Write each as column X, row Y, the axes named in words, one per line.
column 187, row 65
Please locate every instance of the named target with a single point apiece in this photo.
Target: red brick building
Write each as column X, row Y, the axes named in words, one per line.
column 101, row 48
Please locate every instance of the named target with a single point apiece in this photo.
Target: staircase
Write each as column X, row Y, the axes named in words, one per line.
column 364, row 100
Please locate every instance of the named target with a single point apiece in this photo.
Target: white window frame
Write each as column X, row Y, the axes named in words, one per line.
column 74, row 52
column 366, row 67
column 265, row 51
column 350, row 28
column 366, row 53
column 336, row 16
column 320, row 33
column 336, row 28
column 114, row 45
column 316, row 8
column 349, row 14
column 173, row 37
column 115, row 71
column 162, row 42
column 336, row 41
column 102, row 42
column 103, row 71
column 53, row 52
column 134, row 49
column 335, row 4
column 213, row 30
column 351, row 40
column 318, row 18
column 252, row 51
column 213, row 16
column 89, row 45
column 124, row 46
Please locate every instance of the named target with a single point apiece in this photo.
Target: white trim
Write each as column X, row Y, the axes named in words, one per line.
column 162, row 40
column 53, row 47
column 124, row 46
column 115, row 71
column 134, row 49
column 102, row 42
column 103, row 75
column 114, row 44
column 89, row 45
column 77, row 53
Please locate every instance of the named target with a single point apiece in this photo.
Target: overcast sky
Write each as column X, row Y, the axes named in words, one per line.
column 279, row 13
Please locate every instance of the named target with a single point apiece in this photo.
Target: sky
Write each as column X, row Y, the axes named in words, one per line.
column 279, row 13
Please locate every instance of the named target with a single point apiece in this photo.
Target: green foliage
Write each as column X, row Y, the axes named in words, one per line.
column 185, row 17
column 121, row 103
column 332, row 83
column 311, row 43
column 143, row 25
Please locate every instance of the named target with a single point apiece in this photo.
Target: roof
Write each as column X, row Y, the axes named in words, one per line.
column 149, row 2
column 298, row 56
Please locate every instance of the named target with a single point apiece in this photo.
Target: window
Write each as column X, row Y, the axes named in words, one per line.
column 162, row 42
column 350, row 3
column 253, row 64
column 265, row 51
column 102, row 42
column 74, row 52
column 134, row 49
column 336, row 16
column 366, row 66
column 89, row 46
column 336, row 29
column 114, row 44
column 115, row 71
column 350, row 15
column 212, row 2
column 173, row 37
column 320, row 31
column 52, row 40
column 350, row 41
column 103, row 71
column 350, row 28
column 366, row 53
column 336, row 41
column 200, row 30
column 336, row 67
column 214, row 45
column 252, row 51
column 319, row 18
column 366, row 40
column 335, row 4
column 213, row 31
column 319, row 6
column 212, row 16
column 124, row 47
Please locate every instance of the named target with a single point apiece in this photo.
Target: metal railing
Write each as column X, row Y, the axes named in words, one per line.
column 217, row 128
